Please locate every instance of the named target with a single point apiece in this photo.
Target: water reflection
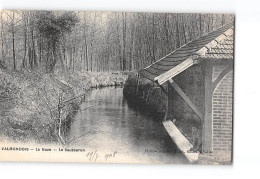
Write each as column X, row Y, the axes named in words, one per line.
column 110, row 123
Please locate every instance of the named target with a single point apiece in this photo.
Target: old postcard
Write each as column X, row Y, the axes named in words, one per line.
column 116, row 87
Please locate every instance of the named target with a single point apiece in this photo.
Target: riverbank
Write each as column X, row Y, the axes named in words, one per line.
column 144, row 92
column 29, row 100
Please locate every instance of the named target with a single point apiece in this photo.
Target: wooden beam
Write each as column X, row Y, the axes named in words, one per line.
column 207, row 124
column 174, row 71
column 181, row 141
column 220, row 77
column 185, row 98
column 222, row 61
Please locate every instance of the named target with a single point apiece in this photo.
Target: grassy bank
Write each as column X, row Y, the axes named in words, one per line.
column 29, row 99
column 144, row 92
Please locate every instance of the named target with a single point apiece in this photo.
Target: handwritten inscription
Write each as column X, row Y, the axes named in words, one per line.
column 108, row 156
column 92, row 156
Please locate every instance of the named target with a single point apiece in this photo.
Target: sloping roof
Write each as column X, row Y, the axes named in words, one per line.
column 223, row 49
column 211, row 45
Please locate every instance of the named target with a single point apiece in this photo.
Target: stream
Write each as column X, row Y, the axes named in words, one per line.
column 108, row 123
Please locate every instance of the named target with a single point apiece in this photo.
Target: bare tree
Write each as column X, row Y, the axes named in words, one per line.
column 96, row 41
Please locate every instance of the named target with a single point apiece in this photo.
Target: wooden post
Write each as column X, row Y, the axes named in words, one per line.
column 207, row 124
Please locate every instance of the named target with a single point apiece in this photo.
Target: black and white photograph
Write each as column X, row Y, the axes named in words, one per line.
column 127, row 89
column 116, row 87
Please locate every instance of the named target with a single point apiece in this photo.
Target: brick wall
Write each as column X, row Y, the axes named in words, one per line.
column 222, row 113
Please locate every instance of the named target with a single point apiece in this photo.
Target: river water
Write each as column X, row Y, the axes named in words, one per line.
column 108, row 123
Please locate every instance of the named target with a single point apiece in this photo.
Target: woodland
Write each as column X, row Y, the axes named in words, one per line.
column 96, row 41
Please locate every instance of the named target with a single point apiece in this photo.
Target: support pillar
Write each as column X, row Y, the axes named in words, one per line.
column 207, row 123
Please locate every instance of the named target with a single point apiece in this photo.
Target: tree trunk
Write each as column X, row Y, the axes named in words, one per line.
column 166, row 29
column 85, row 45
column 154, row 43
column 2, row 62
column 124, row 41
column 132, row 47
column 14, row 61
column 177, row 34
